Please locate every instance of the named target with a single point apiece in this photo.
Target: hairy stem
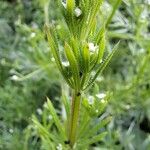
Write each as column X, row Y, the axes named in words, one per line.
column 74, row 118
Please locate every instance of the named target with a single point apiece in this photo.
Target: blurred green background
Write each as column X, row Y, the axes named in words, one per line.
column 28, row 74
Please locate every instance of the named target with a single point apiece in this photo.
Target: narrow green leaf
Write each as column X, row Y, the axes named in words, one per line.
column 101, row 48
column 94, row 60
column 54, row 47
column 102, row 66
column 98, row 58
column 86, row 58
column 92, row 140
column 75, row 47
column 94, row 7
column 98, row 126
column 84, row 80
column 73, row 63
column 66, row 105
column 43, row 131
column 56, row 119
column 84, row 125
column 100, row 34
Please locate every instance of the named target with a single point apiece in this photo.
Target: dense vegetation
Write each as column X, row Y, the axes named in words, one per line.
column 28, row 73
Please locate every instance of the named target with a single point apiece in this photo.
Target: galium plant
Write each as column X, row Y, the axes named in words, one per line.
column 80, row 60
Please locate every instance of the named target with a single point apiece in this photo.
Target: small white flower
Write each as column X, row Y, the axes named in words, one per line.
column 58, row 27
column 101, row 61
column 101, row 95
column 50, row 117
column 45, row 105
column 34, row 25
column 3, row 61
column 92, row 47
column 33, row 34
column 96, row 111
column 59, row 147
column 106, row 7
column 53, row 59
column 100, row 78
column 78, row 12
column 91, row 100
column 18, row 22
column 35, row 126
column 14, row 77
column 144, row 14
column 11, row 130
column 127, row 107
column 65, row 63
column 103, row 101
column 39, row 111
column 64, row 3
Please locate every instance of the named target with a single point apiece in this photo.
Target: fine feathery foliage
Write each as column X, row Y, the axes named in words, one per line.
column 29, row 73
column 91, row 128
column 84, row 47
column 80, row 59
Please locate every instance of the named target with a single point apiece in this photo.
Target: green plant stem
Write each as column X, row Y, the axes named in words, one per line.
column 74, row 118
